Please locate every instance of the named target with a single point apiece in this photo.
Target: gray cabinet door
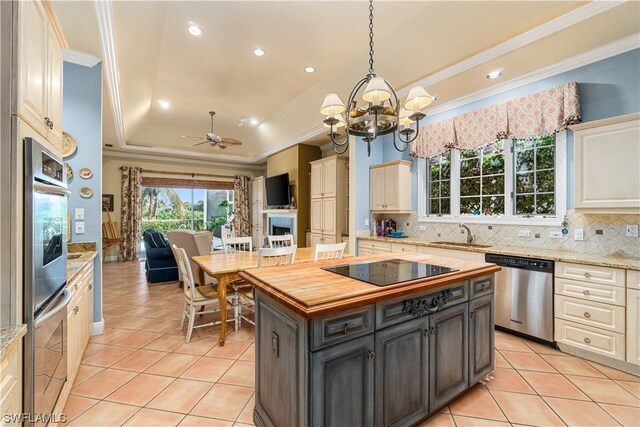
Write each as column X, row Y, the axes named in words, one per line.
column 449, row 357
column 402, row 373
column 481, row 338
column 342, row 384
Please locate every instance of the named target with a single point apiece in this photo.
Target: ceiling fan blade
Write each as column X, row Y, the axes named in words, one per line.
column 219, row 146
column 199, row 138
column 231, row 141
column 198, row 143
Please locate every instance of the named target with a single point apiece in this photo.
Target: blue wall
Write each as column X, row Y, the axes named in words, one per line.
column 361, row 184
column 608, row 88
column 82, row 119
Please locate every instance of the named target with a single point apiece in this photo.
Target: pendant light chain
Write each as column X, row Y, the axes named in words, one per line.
column 371, row 37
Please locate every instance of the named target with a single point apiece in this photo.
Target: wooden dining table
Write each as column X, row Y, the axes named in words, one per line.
column 225, row 268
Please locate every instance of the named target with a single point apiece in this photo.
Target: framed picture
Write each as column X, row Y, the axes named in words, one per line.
column 107, row 203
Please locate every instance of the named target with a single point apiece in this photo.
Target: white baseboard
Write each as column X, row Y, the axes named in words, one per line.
column 111, row 258
column 98, row 328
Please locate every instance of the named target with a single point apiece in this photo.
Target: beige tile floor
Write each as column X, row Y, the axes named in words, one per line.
column 140, row 372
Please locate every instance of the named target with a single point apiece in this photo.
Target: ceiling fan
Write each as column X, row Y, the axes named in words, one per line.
column 216, row 141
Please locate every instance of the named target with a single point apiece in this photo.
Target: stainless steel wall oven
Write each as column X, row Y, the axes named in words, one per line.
column 45, row 276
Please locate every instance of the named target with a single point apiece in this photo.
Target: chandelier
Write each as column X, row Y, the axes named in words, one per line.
column 379, row 114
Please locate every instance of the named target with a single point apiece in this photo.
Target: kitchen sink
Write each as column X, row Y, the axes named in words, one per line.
column 463, row 244
column 73, row 256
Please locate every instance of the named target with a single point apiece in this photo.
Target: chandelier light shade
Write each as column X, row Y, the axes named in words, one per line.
column 418, row 99
column 379, row 114
column 332, row 105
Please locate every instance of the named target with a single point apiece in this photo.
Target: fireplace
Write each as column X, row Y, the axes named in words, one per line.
column 281, row 222
column 280, row 231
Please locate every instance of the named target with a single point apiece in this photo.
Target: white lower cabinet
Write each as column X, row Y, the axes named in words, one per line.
column 592, row 339
column 633, row 326
column 11, row 381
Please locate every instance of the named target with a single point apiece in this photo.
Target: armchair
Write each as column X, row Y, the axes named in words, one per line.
column 194, row 243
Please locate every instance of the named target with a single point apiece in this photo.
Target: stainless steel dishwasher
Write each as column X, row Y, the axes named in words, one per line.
column 524, row 296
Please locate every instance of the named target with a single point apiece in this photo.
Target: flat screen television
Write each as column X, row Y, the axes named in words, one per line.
column 277, row 190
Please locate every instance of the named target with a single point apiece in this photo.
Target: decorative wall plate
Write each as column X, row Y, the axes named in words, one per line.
column 85, row 173
column 69, row 173
column 69, row 145
column 86, row 192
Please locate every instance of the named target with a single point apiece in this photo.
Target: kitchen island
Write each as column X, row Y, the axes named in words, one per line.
column 332, row 350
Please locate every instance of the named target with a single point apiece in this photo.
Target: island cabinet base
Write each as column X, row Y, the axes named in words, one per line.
column 391, row 363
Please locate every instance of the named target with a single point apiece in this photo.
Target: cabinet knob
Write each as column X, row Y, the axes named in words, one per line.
column 371, row 355
column 586, row 292
column 587, row 275
column 587, row 340
column 90, row 287
column 347, row 328
column 76, row 309
column 586, row 314
column 472, row 314
column 75, row 287
column 485, row 286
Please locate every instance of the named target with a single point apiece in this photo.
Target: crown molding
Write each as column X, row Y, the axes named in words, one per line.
column 104, row 18
column 296, row 140
column 617, row 47
column 129, row 155
column 560, row 23
column 80, row 58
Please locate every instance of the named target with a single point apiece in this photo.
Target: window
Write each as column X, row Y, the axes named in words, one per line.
column 511, row 181
column 440, row 185
column 482, row 180
column 534, row 176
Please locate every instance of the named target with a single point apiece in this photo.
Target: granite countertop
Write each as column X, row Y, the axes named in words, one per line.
column 613, row 261
column 10, row 335
column 75, row 264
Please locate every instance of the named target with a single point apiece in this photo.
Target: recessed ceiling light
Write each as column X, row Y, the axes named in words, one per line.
column 309, row 69
column 194, row 30
column 164, row 104
column 240, row 123
column 258, row 52
column 254, row 122
column 494, row 74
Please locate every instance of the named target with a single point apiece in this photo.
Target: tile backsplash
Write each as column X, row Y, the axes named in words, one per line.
column 603, row 234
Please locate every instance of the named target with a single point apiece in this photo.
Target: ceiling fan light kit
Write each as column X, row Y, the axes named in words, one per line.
column 214, row 140
column 381, row 113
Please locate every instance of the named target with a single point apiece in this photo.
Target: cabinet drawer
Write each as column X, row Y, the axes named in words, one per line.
column 590, row 313
column 391, row 312
column 591, row 273
column 335, row 328
column 399, row 247
column 633, row 279
column 481, row 286
column 380, row 246
column 590, row 291
column 10, row 368
column 595, row 340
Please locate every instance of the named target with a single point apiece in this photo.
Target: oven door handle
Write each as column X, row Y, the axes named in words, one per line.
column 61, row 306
column 50, row 189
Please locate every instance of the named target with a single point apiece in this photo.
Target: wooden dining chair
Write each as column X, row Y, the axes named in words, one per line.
column 237, row 244
column 267, row 257
column 195, row 296
column 325, row 252
column 280, row 241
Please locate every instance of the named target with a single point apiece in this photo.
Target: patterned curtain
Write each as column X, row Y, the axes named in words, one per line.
column 241, row 206
column 131, row 213
column 536, row 115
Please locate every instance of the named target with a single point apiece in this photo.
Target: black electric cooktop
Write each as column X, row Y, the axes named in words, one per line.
column 389, row 272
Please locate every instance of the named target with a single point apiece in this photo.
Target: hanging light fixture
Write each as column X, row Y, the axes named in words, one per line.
column 379, row 114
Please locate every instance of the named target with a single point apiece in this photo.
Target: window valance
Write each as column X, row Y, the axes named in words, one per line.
column 532, row 116
column 149, row 181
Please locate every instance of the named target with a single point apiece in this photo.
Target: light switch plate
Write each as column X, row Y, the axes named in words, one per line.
column 79, row 214
column 366, row 221
column 524, row 233
column 578, row 234
column 79, row 227
column 632, row 231
column 555, row 234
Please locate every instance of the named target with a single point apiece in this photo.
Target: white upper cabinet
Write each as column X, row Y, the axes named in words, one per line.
column 39, row 71
column 323, row 177
column 607, row 165
column 390, row 187
column 328, row 199
column 316, row 180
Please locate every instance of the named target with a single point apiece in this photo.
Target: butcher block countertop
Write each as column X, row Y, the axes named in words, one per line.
column 310, row 291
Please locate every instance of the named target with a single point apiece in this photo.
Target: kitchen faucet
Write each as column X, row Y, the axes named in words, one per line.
column 470, row 236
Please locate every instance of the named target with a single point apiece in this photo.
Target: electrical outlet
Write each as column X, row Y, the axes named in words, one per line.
column 632, row 231
column 578, row 234
column 524, row 233
column 366, row 221
column 555, row 234
column 79, row 214
column 423, row 228
column 79, row 227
